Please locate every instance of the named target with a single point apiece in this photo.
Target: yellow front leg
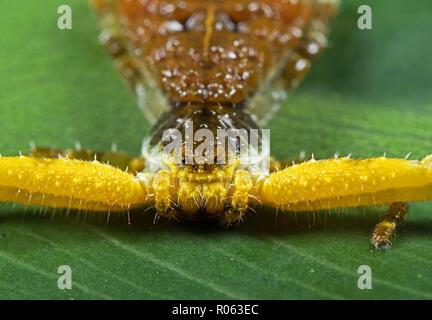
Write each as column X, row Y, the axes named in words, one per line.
column 69, row 183
column 338, row 183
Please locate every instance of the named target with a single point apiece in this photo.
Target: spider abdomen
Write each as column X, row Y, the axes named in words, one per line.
column 179, row 52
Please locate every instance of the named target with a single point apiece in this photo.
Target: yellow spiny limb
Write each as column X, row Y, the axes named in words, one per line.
column 242, row 184
column 67, row 183
column 326, row 184
column 239, row 191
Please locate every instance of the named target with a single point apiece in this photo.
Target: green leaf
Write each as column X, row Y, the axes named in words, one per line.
column 368, row 94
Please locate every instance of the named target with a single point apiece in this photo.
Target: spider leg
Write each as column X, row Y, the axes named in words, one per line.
column 164, row 193
column 239, row 192
column 72, row 184
column 117, row 159
column 338, row 183
column 312, row 44
column 384, row 230
column 128, row 62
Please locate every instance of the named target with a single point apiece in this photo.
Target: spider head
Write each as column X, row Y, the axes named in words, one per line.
column 200, row 147
column 200, row 138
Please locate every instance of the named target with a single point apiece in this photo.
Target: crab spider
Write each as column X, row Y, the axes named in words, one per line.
column 221, row 65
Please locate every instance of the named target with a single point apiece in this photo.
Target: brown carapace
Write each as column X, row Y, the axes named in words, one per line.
column 216, row 65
